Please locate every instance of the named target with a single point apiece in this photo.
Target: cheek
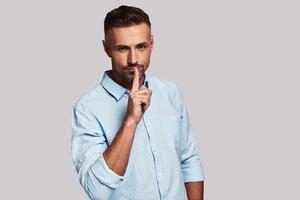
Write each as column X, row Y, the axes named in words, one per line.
column 146, row 57
column 119, row 59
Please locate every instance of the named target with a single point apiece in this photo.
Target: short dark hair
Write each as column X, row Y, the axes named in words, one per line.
column 125, row 16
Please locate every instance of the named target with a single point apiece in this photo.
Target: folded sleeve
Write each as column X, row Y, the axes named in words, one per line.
column 190, row 159
column 88, row 145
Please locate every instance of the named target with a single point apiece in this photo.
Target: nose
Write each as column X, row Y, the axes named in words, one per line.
column 132, row 57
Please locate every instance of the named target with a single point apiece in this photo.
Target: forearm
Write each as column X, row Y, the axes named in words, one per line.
column 195, row 190
column 117, row 154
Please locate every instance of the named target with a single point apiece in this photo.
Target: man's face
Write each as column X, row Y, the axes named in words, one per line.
column 129, row 47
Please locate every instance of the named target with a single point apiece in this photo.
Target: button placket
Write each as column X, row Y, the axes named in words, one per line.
column 155, row 152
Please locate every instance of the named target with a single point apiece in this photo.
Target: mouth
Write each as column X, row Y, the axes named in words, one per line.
column 131, row 69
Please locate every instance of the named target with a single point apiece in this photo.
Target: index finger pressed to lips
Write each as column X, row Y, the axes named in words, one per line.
column 135, row 82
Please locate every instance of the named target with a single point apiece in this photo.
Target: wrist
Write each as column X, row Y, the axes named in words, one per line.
column 128, row 122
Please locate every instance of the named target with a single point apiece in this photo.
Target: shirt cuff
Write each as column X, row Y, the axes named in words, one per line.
column 193, row 174
column 106, row 175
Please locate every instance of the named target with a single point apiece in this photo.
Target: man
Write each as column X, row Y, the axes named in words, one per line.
column 132, row 138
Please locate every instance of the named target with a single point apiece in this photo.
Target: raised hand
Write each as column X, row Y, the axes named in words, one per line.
column 138, row 100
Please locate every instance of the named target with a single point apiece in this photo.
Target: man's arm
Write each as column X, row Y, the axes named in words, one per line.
column 117, row 154
column 195, row 190
column 190, row 159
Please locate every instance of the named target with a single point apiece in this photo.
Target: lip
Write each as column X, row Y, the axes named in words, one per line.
column 131, row 68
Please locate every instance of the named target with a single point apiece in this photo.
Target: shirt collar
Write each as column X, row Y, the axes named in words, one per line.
column 115, row 89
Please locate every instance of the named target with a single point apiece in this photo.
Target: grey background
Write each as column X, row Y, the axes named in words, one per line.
column 237, row 64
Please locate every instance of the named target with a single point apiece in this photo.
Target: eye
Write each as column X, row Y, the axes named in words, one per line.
column 122, row 49
column 142, row 46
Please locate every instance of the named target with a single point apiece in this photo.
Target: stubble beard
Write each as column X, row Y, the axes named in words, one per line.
column 128, row 76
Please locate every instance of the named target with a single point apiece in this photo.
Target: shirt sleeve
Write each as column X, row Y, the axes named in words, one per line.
column 88, row 145
column 190, row 159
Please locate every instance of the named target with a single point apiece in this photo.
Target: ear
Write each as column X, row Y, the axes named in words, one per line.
column 151, row 42
column 106, row 48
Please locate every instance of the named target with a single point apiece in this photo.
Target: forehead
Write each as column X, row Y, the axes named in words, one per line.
column 129, row 35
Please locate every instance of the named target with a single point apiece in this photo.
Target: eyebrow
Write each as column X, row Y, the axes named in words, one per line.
column 123, row 45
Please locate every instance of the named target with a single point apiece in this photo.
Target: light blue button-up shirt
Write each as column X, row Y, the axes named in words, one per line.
column 163, row 156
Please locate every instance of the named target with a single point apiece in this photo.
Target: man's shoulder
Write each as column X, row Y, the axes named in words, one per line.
column 89, row 98
column 166, row 88
column 167, row 92
column 162, row 84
